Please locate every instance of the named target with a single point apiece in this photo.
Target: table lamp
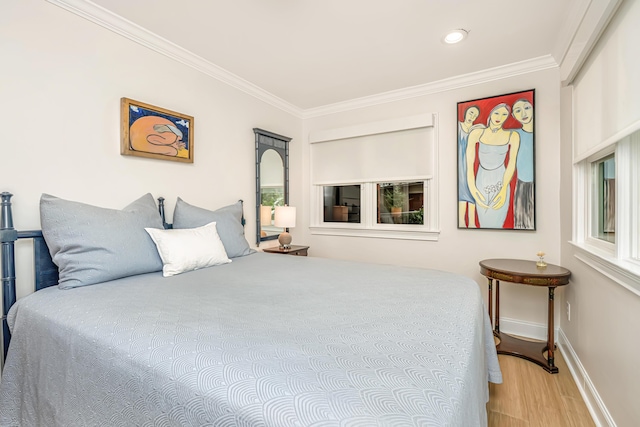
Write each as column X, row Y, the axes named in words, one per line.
column 285, row 217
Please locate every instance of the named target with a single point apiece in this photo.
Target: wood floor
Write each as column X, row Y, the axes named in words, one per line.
column 531, row 397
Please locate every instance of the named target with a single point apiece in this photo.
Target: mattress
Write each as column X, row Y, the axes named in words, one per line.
column 263, row 341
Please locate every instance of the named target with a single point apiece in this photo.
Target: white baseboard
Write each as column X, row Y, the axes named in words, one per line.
column 595, row 405
column 599, row 413
column 531, row 330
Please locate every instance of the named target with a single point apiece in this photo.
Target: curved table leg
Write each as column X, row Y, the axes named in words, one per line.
column 531, row 350
column 497, row 328
column 550, row 338
column 490, row 298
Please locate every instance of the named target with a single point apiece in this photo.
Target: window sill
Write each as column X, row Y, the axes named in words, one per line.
column 428, row 235
column 625, row 273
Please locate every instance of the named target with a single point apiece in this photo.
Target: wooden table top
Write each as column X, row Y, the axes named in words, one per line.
column 525, row 271
column 277, row 249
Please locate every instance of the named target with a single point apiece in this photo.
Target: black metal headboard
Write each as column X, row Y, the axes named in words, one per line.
column 45, row 271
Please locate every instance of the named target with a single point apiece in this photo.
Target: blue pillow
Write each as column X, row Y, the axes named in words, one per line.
column 228, row 221
column 90, row 244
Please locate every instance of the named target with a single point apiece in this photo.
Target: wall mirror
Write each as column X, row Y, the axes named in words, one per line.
column 272, row 181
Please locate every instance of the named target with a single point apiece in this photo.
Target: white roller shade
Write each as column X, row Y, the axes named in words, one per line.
column 606, row 105
column 377, row 157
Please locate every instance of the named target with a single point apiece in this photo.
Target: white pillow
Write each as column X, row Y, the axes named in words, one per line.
column 188, row 249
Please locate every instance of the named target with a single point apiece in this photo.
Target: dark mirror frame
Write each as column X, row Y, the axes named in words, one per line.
column 266, row 140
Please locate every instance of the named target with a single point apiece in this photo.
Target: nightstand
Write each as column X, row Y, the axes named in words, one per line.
column 293, row 250
column 527, row 273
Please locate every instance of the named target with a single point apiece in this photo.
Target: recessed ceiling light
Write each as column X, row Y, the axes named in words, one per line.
column 455, row 36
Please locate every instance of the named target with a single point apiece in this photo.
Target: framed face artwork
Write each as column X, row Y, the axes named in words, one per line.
column 496, row 168
column 155, row 132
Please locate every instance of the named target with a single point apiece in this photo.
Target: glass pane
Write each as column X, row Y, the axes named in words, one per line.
column 342, row 203
column 606, row 199
column 270, row 198
column 400, row 203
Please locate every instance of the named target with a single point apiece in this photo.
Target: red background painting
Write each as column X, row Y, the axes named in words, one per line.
column 485, row 105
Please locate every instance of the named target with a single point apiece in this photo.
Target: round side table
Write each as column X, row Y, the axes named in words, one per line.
column 527, row 273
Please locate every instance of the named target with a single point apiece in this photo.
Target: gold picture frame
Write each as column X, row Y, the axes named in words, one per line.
column 155, row 132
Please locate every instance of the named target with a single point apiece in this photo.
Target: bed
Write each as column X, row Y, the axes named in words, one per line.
column 261, row 340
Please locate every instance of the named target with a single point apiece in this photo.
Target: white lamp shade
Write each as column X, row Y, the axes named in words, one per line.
column 285, row 216
column 265, row 215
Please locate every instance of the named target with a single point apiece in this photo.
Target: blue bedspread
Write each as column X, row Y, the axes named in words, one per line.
column 267, row 340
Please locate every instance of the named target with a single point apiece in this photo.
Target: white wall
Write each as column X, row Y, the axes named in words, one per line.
column 60, row 86
column 61, row 81
column 604, row 331
column 460, row 250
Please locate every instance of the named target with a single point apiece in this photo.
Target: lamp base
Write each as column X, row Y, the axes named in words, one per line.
column 285, row 240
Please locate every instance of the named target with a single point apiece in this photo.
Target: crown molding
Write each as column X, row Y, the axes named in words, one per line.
column 577, row 11
column 119, row 25
column 589, row 19
column 451, row 83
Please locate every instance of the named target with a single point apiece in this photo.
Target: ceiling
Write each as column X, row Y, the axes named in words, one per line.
column 314, row 53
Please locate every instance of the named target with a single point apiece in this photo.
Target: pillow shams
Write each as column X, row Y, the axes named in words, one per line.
column 189, row 249
column 228, row 221
column 90, row 244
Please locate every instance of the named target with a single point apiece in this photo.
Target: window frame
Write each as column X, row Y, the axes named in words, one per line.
column 368, row 227
column 593, row 182
column 392, row 226
column 322, row 187
column 620, row 261
column 599, row 215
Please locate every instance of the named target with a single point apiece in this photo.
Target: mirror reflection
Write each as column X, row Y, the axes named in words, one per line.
column 271, row 191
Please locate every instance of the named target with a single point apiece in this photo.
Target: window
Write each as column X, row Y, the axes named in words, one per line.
column 376, row 179
column 342, row 203
column 400, row 203
column 604, row 206
column 607, row 210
